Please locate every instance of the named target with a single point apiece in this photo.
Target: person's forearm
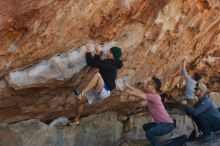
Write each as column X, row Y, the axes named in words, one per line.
column 89, row 59
column 134, row 89
column 189, row 109
column 195, row 111
column 130, row 87
column 185, row 74
column 184, row 65
column 136, row 93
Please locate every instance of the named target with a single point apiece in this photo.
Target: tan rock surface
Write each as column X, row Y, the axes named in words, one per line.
column 37, row 36
column 103, row 129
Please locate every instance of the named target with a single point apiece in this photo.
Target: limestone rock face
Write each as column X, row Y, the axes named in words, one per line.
column 89, row 133
column 96, row 130
column 42, row 52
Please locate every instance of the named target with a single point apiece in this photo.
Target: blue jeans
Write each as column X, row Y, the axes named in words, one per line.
column 153, row 129
column 207, row 123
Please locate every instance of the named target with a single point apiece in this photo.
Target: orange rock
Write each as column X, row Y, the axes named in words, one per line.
column 154, row 36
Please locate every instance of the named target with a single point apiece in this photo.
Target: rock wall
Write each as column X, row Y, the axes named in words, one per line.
column 41, row 51
column 106, row 129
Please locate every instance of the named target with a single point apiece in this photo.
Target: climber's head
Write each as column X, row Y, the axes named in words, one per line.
column 114, row 53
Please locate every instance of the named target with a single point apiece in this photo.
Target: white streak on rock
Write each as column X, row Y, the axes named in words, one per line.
column 58, row 68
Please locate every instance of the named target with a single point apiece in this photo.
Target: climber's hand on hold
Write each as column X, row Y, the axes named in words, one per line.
column 98, row 48
column 88, row 47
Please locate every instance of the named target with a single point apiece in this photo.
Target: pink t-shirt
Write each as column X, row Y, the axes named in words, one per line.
column 157, row 110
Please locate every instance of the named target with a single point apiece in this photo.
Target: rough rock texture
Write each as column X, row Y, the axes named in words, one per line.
column 97, row 130
column 42, row 58
column 41, row 52
column 143, row 143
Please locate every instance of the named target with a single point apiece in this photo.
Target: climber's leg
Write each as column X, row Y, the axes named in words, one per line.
column 96, row 82
column 79, row 110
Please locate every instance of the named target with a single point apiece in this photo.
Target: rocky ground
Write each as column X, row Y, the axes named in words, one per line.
column 106, row 129
column 145, row 143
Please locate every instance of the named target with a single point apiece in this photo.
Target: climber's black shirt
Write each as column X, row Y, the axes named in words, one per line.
column 107, row 68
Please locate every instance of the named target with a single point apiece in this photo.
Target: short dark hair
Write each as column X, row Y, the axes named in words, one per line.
column 197, row 76
column 116, row 52
column 157, row 83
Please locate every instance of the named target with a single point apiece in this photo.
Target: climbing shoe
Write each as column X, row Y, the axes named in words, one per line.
column 77, row 93
column 74, row 123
